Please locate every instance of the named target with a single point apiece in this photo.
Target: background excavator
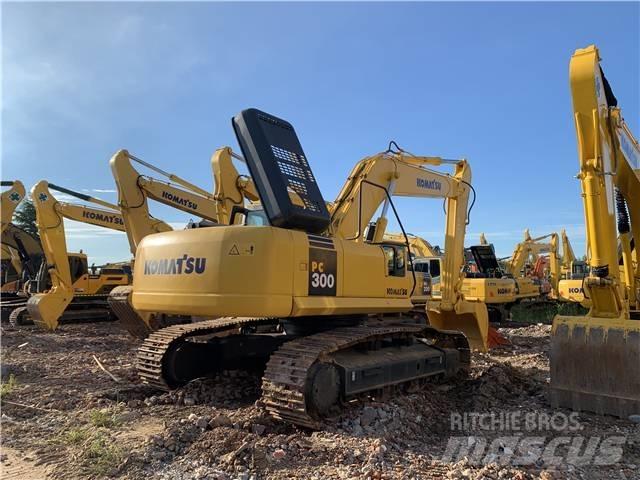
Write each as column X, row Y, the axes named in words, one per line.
column 572, row 274
column 11, row 270
column 425, row 262
column 74, row 290
column 11, row 265
column 522, row 265
column 309, row 294
column 9, row 201
column 21, row 252
column 225, row 205
column 595, row 358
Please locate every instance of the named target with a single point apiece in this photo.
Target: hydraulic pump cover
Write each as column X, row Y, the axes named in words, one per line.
column 278, row 165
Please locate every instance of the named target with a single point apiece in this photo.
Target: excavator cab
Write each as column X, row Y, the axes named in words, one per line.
column 78, row 266
column 579, row 270
column 486, row 262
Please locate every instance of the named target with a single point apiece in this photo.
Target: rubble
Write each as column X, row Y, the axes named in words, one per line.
column 218, row 429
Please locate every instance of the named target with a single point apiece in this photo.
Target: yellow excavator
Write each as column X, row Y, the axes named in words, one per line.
column 521, row 264
column 226, row 205
column 595, row 358
column 11, row 265
column 10, row 200
column 572, row 274
column 74, row 290
column 307, row 294
column 22, row 253
column 424, row 261
column 11, row 270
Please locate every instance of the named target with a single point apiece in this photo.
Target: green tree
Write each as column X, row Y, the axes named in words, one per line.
column 25, row 217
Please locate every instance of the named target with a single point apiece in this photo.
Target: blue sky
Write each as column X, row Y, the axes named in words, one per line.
column 485, row 81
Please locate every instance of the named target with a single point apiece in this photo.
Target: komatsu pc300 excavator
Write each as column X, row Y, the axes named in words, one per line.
column 595, row 359
column 302, row 293
column 75, row 291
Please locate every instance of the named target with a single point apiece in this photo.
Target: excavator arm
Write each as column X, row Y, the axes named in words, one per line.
column 594, row 358
column 372, row 184
column 568, row 256
column 530, row 247
column 231, row 188
column 10, row 200
column 419, row 246
column 46, row 308
column 134, row 189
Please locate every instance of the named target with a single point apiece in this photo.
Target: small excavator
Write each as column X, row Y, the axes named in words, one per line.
column 595, row 358
column 71, row 291
column 307, row 295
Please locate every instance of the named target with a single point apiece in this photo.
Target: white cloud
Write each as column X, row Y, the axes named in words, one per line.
column 110, row 57
column 100, row 190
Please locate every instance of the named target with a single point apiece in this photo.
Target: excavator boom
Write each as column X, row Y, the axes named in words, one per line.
column 595, row 359
column 134, row 191
column 11, row 264
column 68, row 278
column 10, row 200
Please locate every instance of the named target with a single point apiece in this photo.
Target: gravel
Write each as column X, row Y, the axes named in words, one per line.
column 217, row 428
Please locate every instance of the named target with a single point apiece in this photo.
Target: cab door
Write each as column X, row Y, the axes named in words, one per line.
column 398, row 281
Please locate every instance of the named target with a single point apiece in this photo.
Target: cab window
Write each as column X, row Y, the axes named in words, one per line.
column 257, row 218
column 421, row 267
column 434, row 268
column 395, row 260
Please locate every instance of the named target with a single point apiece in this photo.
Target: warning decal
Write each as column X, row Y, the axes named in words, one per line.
column 242, row 249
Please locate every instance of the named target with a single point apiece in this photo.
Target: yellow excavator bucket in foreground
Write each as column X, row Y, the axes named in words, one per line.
column 470, row 318
column 47, row 308
column 596, row 365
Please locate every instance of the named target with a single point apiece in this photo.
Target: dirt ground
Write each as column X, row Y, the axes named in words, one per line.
column 64, row 417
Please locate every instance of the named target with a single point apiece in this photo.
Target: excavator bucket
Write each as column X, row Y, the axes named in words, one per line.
column 470, row 318
column 595, row 365
column 46, row 308
column 137, row 324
